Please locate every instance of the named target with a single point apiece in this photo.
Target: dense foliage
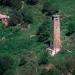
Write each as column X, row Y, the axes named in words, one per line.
column 23, row 43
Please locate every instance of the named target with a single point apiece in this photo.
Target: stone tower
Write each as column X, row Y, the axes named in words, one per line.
column 56, row 42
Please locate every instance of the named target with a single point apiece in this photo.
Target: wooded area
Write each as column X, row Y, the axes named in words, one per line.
column 24, row 41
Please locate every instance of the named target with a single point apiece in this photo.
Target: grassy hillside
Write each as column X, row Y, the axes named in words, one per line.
column 22, row 49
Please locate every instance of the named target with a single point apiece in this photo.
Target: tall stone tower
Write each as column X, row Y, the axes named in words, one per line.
column 56, row 42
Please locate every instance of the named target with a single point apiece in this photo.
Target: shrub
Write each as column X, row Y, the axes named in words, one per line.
column 6, row 63
column 53, row 71
column 50, row 9
column 31, row 2
column 15, row 18
column 22, row 17
column 43, row 57
column 73, row 73
column 16, row 4
column 43, row 33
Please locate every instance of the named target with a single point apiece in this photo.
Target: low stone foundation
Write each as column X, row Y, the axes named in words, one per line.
column 52, row 52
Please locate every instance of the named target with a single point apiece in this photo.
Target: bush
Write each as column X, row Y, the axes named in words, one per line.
column 22, row 17
column 15, row 18
column 6, row 63
column 73, row 73
column 53, row 71
column 16, row 4
column 31, row 2
column 5, row 2
column 43, row 33
column 43, row 57
column 26, row 17
column 50, row 9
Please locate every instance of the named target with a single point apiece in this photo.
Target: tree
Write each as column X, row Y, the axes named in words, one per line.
column 16, row 4
column 70, row 25
column 43, row 33
column 31, row 2
column 6, row 64
column 65, row 66
column 49, row 8
column 22, row 17
column 53, row 71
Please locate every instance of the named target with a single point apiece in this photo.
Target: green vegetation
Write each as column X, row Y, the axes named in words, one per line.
column 23, row 43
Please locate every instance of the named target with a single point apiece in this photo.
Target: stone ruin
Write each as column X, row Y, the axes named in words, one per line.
column 4, row 19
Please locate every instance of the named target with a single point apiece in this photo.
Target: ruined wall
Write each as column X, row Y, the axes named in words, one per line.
column 4, row 19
